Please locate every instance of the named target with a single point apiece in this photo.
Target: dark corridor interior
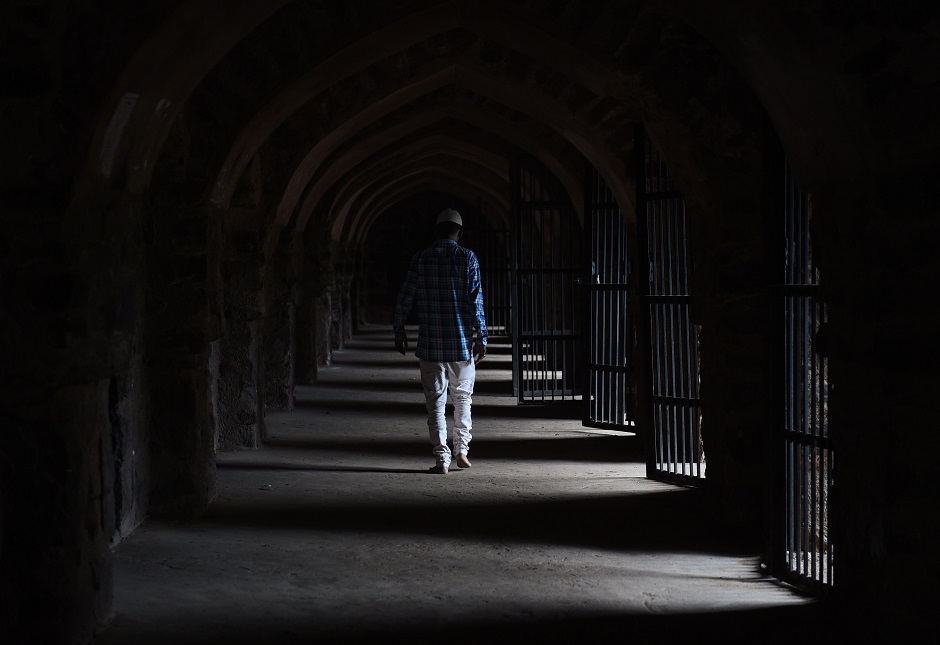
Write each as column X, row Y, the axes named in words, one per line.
column 335, row 532
column 709, row 226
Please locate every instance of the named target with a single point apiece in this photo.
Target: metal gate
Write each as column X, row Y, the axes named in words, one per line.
column 547, row 301
column 803, row 452
column 676, row 451
column 609, row 330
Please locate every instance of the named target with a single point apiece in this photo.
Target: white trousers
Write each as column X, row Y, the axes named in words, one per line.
column 438, row 379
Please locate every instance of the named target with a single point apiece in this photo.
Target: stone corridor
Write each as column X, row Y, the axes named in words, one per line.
column 334, row 530
column 722, row 215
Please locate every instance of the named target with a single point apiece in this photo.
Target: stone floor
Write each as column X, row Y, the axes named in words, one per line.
column 336, row 532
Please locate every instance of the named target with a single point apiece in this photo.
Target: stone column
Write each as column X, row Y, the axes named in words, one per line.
column 875, row 246
column 319, row 278
column 342, row 324
column 72, row 402
column 305, row 364
column 346, row 294
column 279, row 333
column 323, row 320
column 729, row 312
column 308, row 294
column 56, row 514
column 339, row 300
column 240, row 390
column 180, row 327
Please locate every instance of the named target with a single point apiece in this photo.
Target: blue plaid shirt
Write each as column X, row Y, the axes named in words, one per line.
column 444, row 283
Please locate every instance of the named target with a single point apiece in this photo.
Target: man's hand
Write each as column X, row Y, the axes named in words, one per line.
column 401, row 344
column 479, row 351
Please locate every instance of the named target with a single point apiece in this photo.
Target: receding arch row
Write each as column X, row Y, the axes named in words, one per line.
column 202, row 42
column 373, row 206
column 364, row 205
column 484, row 20
column 542, row 108
column 352, row 162
column 581, row 141
column 491, row 171
column 198, row 35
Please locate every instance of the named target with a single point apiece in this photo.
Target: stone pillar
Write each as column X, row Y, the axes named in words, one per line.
column 356, row 299
column 339, row 301
column 279, row 331
column 729, row 311
column 128, row 408
column 347, row 301
column 240, row 390
column 57, row 568
column 318, row 284
column 875, row 246
column 323, row 322
column 70, row 394
column 308, row 296
column 305, row 364
column 279, row 358
column 342, row 326
column 179, row 329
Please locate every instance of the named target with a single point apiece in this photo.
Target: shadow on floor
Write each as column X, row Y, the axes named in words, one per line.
column 804, row 624
column 612, row 448
column 653, row 522
column 564, row 410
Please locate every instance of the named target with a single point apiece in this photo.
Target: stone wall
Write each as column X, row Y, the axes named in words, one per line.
column 179, row 330
column 280, row 324
column 881, row 342
column 241, row 366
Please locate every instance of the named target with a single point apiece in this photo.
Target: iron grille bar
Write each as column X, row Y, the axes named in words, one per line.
column 804, row 555
column 545, row 268
column 678, row 402
column 610, row 338
column 550, row 335
column 618, row 369
column 549, row 271
column 675, row 410
column 805, row 439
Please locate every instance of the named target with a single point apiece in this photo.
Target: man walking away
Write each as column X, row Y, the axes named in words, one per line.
column 443, row 282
